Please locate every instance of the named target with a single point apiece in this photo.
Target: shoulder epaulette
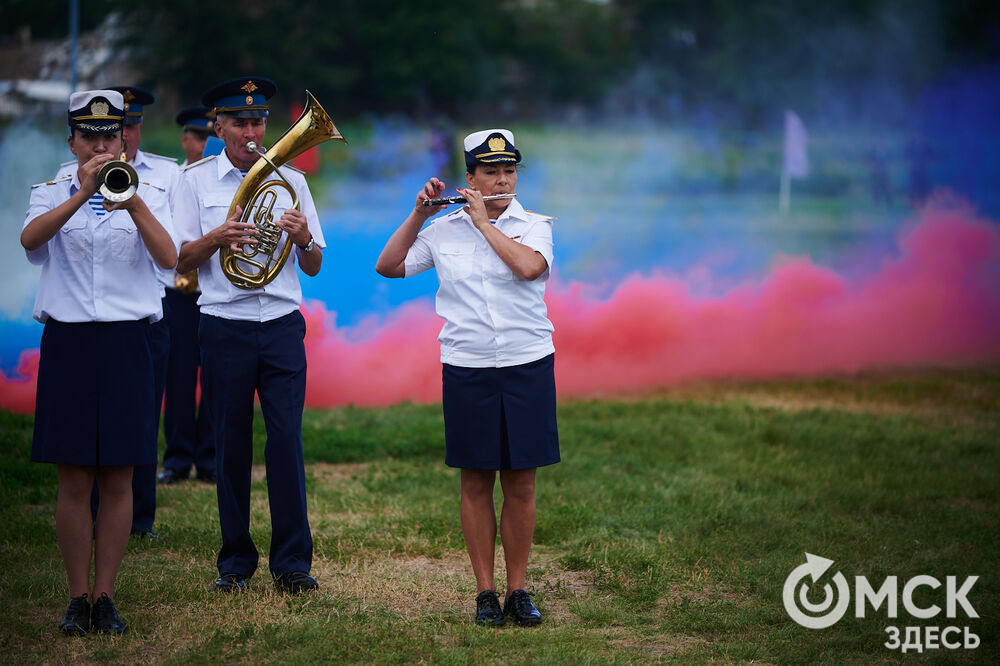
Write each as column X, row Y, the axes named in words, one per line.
column 68, row 176
column 160, row 157
column 67, row 163
column 544, row 217
column 201, row 161
column 155, row 187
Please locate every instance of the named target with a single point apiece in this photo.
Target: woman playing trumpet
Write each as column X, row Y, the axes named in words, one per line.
column 492, row 259
column 97, row 296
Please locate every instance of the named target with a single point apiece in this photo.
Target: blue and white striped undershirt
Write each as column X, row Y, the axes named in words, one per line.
column 96, row 202
column 244, row 172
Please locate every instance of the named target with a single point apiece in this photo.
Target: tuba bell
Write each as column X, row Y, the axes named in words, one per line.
column 254, row 266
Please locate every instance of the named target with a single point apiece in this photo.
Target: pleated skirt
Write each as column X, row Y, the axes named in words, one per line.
column 501, row 418
column 94, row 401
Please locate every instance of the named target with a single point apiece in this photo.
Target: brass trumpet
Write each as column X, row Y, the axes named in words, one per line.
column 255, row 265
column 117, row 181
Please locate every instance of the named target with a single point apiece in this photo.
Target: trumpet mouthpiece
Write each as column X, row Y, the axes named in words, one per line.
column 251, row 147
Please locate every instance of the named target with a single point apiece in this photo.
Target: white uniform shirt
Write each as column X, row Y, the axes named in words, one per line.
column 162, row 172
column 96, row 268
column 157, row 170
column 200, row 205
column 493, row 319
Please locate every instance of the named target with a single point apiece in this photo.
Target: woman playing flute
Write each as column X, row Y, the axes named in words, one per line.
column 492, row 259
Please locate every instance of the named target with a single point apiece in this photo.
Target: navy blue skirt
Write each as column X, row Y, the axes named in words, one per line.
column 94, row 402
column 501, row 418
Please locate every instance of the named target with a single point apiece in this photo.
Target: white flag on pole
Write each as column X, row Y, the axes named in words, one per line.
column 795, row 161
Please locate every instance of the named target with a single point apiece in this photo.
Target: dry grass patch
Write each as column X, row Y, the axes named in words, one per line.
column 667, row 646
column 411, row 587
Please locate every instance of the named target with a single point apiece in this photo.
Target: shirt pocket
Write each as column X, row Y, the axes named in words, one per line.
column 217, row 205
column 456, row 260
column 124, row 239
column 77, row 239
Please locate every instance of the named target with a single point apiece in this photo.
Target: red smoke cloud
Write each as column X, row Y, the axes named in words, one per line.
column 938, row 301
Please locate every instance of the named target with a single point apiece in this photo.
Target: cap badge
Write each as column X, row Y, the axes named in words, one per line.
column 249, row 100
column 128, row 96
column 99, row 109
column 497, row 144
column 249, row 87
column 126, row 106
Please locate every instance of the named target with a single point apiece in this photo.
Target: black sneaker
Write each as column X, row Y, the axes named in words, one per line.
column 145, row 534
column 488, row 610
column 104, row 618
column 295, row 582
column 168, row 476
column 76, row 622
column 230, row 582
column 519, row 608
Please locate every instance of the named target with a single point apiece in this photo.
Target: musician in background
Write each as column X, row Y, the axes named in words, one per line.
column 492, row 259
column 197, row 123
column 251, row 341
column 162, row 172
column 97, row 295
column 185, row 423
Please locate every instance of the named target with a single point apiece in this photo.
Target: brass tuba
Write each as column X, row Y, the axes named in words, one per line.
column 254, row 266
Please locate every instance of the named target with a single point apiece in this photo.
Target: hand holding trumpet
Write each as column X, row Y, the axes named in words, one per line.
column 87, row 172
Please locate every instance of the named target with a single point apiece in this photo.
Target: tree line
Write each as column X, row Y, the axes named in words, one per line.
column 534, row 58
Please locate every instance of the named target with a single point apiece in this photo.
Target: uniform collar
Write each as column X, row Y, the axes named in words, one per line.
column 514, row 209
column 224, row 166
column 140, row 159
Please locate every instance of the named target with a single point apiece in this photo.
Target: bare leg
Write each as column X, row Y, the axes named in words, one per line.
column 479, row 524
column 114, row 521
column 74, row 529
column 517, row 524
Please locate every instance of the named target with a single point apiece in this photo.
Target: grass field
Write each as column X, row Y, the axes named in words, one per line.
column 665, row 535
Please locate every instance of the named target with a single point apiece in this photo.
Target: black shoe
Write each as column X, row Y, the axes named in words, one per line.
column 145, row 534
column 104, row 618
column 207, row 477
column 230, row 582
column 488, row 609
column 171, row 476
column 519, row 608
column 294, row 582
column 76, row 622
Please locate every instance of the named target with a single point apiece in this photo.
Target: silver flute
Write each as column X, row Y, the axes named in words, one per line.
column 459, row 200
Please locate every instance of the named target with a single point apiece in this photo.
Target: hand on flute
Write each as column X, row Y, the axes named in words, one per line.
column 425, row 204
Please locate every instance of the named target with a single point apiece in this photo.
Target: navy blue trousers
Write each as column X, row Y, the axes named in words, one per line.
column 239, row 359
column 144, row 476
column 186, row 425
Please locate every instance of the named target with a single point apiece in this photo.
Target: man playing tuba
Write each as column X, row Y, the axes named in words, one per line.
column 251, row 339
